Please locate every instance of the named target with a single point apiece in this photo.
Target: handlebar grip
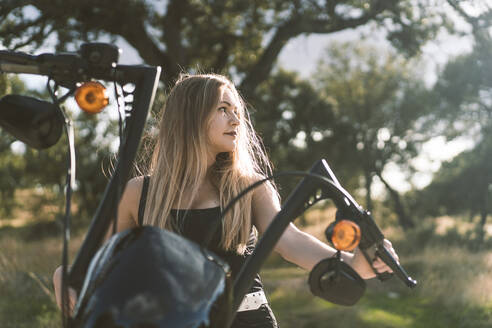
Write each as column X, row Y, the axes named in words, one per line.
column 384, row 276
column 398, row 270
column 16, row 57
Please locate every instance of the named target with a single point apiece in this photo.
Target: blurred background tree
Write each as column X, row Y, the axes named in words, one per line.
column 236, row 37
column 377, row 100
column 462, row 106
column 12, row 164
column 241, row 39
column 25, row 168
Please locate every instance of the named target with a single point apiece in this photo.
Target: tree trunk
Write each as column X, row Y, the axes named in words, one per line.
column 404, row 219
column 472, row 215
column 483, row 218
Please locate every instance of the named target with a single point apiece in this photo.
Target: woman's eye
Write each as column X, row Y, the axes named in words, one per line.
column 222, row 109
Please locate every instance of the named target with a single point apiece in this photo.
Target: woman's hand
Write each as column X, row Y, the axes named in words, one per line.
column 363, row 268
column 72, row 294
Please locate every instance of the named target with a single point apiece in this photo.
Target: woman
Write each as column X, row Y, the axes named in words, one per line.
column 206, row 153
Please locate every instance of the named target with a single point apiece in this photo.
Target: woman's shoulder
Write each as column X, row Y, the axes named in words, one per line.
column 128, row 205
column 133, row 191
column 134, row 185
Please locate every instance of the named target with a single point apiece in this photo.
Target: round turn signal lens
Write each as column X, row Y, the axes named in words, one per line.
column 91, row 97
column 346, row 235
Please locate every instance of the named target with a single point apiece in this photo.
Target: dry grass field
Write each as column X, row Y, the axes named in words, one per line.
column 454, row 290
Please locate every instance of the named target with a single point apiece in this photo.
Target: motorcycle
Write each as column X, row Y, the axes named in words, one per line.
column 178, row 283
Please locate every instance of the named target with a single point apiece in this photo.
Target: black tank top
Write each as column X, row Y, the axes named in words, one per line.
column 197, row 225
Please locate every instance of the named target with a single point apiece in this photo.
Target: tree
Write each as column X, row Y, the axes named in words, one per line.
column 11, row 163
column 463, row 91
column 48, row 167
column 298, row 126
column 242, row 38
column 28, row 168
column 378, row 101
column 463, row 107
column 462, row 185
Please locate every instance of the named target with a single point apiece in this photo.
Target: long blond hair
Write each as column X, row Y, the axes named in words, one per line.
column 179, row 159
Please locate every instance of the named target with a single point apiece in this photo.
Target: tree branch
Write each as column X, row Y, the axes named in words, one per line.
column 261, row 69
column 172, row 27
column 404, row 219
column 124, row 22
column 222, row 57
column 292, row 28
column 9, row 5
column 462, row 13
column 324, row 26
column 15, row 29
column 35, row 37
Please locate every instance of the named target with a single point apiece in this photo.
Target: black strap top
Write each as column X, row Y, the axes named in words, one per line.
column 143, row 200
column 198, row 225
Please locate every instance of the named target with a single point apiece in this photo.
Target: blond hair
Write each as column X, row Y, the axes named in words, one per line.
column 179, row 159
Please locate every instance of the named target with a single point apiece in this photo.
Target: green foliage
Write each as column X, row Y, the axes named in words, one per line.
column 377, row 101
column 462, row 98
column 25, row 168
column 297, row 126
column 462, row 185
column 242, row 38
column 12, row 165
column 377, row 97
column 26, row 268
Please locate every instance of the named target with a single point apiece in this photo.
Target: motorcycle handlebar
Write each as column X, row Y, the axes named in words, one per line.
column 398, row 270
column 93, row 60
column 372, row 240
column 17, row 57
column 18, row 62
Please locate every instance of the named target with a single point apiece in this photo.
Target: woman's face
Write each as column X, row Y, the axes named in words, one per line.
column 223, row 124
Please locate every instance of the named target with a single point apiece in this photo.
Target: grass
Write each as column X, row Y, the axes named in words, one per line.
column 26, row 267
column 447, row 296
column 454, row 290
column 454, row 284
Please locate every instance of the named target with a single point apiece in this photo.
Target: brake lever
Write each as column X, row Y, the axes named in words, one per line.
column 380, row 251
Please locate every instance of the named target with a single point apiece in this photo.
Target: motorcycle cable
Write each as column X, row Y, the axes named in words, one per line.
column 70, row 183
column 255, row 185
column 311, row 201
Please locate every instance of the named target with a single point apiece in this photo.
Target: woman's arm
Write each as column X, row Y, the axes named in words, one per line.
column 128, row 207
column 127, row 218
column 301, row 248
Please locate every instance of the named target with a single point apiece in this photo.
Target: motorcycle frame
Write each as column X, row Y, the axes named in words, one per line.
column 321, row 184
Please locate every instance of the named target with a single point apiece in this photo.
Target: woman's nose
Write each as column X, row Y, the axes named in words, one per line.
column 233, row 119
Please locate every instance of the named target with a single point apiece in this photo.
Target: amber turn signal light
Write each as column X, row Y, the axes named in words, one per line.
column 346, row 235
column 91, row 97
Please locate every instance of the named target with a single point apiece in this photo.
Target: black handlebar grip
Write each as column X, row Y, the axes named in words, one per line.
column 398, row 270
column 384, row 276
column 16, row 57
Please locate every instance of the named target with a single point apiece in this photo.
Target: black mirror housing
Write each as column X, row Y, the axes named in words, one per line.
column 335, row 281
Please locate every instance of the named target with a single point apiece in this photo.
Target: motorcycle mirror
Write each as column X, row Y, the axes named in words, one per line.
column 37, row 123
column 335, row 281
